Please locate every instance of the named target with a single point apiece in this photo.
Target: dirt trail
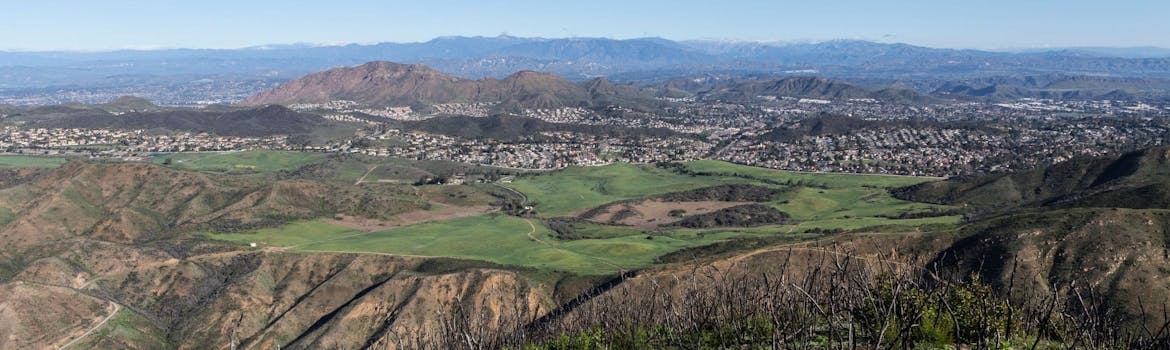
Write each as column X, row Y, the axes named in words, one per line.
column 363, row 178
column 408, row 218
column 532, row 233
column 374, row 253
column 117, row 308
column 77, row 338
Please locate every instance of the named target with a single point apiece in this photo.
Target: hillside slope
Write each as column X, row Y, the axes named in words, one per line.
column 1133, row 180
column 392, row 84
column 119, row 242
column 1101, row 223
column 796, row 87
column 133, row 203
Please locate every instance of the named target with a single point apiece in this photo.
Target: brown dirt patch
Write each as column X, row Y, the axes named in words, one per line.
column 649, row 214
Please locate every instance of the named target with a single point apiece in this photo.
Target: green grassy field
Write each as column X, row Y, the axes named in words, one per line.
column 261, row 161
column 854, row 203
column 16, row 161
column 576, row 188
column 289, row 235
column 496, row 238
column 807, row 204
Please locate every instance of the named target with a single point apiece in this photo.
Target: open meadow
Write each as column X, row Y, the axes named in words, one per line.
column 22, row 161
column 577, row 188
column 818, row 203
column 259, row 161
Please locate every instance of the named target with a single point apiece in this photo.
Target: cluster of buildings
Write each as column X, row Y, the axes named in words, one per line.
column 125, row 143
column 189, row 93
column 475, row 109
column 350, row 109
column 948, row 151
column 546, row 150
column 619, row 117
column 339, row 108
column 891, row 138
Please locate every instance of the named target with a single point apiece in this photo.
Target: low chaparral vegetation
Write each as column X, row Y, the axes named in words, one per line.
column 827, row 299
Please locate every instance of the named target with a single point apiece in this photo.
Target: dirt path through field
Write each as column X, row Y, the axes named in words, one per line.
column 532, row 233
column 95, row 327
column 373, row 253
column 73, row 339
column 363, row 178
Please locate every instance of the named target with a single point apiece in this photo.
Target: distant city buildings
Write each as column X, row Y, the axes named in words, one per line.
column 934, row 140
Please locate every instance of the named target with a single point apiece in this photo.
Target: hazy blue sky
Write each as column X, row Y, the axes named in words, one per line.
column 988, row 24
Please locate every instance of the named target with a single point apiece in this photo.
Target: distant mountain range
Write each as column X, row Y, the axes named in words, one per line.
column 383, row 83
column 1123, row 52
column 1057, row 86
column 576, row 59
column 738, row 89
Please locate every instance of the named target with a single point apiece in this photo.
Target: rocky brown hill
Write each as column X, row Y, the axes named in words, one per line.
column 120, row 242
column 374, row 83
column 392, row 84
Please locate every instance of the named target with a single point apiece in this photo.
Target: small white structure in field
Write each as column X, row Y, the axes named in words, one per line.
column 253, row 244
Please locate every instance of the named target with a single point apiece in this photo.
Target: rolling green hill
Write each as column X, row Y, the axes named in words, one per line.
column 1133, row 180
column 1099, row 222
column 172, row 244
column 850, row 203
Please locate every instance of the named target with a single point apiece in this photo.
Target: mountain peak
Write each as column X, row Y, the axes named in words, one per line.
column 528, row 75
column 383, row 83
column 387, row 67
column 373, row 83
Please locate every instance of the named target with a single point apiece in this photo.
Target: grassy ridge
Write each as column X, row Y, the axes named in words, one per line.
column 809, row 204
column 577, row 188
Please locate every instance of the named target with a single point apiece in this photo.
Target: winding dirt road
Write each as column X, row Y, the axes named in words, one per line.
column 117, row 308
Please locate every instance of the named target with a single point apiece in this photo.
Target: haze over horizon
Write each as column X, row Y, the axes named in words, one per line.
column 994, row 25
